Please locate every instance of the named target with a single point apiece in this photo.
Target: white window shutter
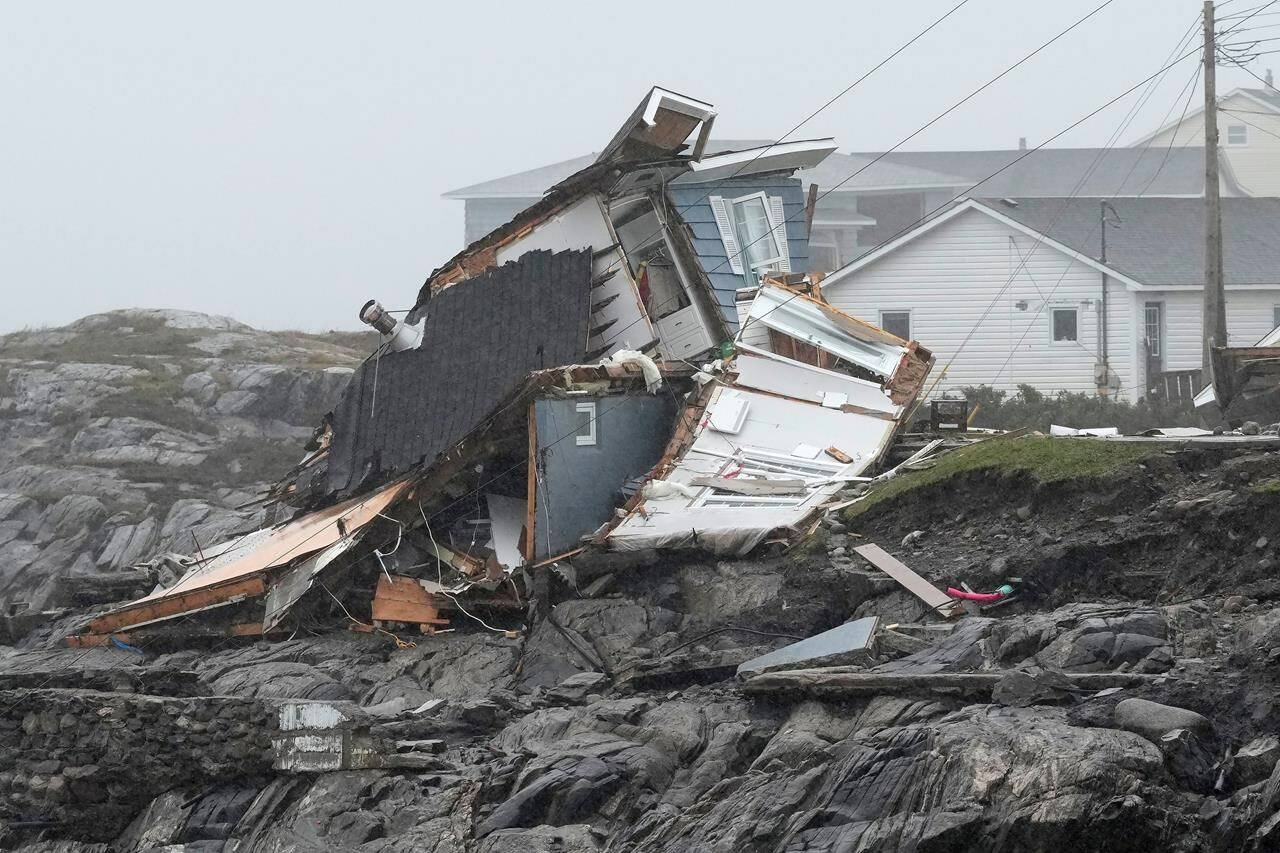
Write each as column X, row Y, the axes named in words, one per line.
column 727, row 236
column 780, row 230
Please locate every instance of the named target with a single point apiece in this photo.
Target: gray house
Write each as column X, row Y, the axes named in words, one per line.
column 868, row 198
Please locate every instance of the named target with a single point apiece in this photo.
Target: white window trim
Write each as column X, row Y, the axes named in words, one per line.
column 1227, row 134
column 774, row 262
column 911, row 319
column 587, row 439
column 1068, row 343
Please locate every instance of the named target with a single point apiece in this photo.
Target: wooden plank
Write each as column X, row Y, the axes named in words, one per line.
column 402, row 599
column 900, row 572
column 187, row 602
column 751, row 487
column 839, row 455
column 531, row 489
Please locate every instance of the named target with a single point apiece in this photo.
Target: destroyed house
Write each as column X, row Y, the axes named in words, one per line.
column 538, row 399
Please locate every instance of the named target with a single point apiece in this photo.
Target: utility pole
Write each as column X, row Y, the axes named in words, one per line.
column 1215, row 313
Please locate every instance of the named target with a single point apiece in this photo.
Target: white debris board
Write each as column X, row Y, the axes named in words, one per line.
column 899, row 571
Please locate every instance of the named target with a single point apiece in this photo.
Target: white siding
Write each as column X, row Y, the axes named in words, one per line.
column 1256, row 165
column 1249, row 318
column 950, row 276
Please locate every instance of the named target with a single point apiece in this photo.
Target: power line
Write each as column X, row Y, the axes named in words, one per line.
column 1195, row 76
column 1088, row 237
column 918, row 131
column 1246, row 121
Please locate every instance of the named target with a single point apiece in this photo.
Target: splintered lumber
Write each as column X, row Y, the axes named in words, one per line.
column 751, row 487
column 845, row 684
column 896, row 569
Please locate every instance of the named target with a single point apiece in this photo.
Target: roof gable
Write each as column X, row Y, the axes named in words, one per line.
column 959, row 209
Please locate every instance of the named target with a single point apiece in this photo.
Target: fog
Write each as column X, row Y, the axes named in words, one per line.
column 282, row 163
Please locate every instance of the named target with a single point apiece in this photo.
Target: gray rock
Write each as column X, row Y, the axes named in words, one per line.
column 1250, row 428
column 1254, row 761
column 1023, row 512
column 1153, row 720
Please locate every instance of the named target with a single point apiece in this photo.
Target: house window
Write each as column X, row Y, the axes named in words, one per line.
column 756, row 231
column 1237, row 134
column 1275, row 316
column 1066, row 324
column 1152, row 328
column 585, row 434
column 753, row 230
column 897, row 323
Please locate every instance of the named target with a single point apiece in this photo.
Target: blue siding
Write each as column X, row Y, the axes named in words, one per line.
column 582, row 484
column 690, row 201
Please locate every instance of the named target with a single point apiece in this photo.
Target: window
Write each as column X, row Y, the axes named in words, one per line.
column 1065, row 325
column 753, row 231
column 1237, row 134
column 897, row 323
column 1275, row 316
column 585, row 434
column 1152, row 328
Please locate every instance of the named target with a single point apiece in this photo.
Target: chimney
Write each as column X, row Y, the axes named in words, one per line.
column 398, row 334
column 1268, row 76
column 1022, row 143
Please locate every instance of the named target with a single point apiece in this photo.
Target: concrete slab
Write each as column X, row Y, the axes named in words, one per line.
column 847, row 643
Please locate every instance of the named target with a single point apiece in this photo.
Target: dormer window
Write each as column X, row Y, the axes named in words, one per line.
column 1237, row 134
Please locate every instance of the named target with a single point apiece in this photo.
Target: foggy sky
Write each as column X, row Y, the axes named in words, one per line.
column 283, row 162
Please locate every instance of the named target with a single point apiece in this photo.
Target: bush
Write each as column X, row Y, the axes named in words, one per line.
column 1028, row 407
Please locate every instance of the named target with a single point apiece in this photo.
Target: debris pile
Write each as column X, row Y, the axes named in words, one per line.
column 585, row 376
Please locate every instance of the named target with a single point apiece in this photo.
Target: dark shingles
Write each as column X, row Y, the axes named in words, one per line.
column 1160, row 241
column 481, row 339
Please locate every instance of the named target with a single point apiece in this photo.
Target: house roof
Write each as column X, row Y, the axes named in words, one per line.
column 405, row 408
column 532, row 183
column 1264, row 98
column 1268, row 96
column 1053, row 172
column 1160, row 241
column 1047, row 172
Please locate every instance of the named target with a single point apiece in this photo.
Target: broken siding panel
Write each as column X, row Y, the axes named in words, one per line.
column 692, row 203
column 949, row 277
column 766, row 372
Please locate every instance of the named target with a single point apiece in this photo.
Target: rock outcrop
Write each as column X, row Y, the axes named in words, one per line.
column 131, row 433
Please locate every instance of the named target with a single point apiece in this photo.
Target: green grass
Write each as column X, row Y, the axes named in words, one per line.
column 1045, row 459
column 1266, row 487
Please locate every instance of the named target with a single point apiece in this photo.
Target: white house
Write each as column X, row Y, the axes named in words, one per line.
column 1248, row 136
column 1014, row 291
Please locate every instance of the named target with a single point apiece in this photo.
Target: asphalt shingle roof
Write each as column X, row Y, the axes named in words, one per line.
column 1054, row 172
column 1048, row 172
column 480, row 340
column 1160, row 241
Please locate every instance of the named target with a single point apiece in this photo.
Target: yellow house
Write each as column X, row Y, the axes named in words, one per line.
column 1248, row 138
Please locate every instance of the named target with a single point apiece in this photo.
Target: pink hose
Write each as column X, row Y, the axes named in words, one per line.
column 980, row 597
